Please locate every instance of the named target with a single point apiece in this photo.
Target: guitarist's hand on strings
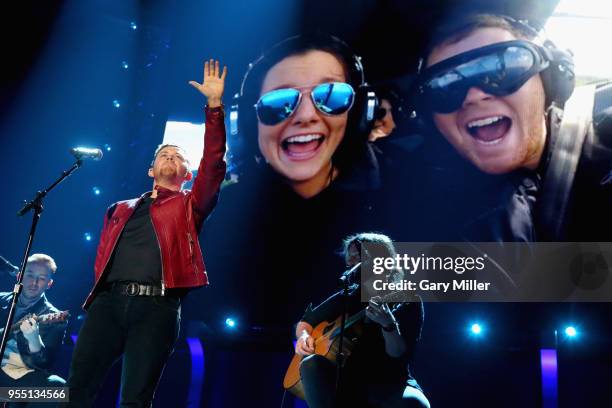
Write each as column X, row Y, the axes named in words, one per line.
column 29, row 328
column 379, row 312
column 304, row 346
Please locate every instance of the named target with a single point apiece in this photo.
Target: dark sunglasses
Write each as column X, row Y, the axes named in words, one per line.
column 498, row 69
column 333, row 98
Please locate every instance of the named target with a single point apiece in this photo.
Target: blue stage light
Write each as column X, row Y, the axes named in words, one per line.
column 230, row 322
column 96, row 191
column 570, row 331
column 116, row 103
column 107, row 147
column 233, row 121
column 133, row 25
column 87, row 236
column 476, row 329
column 124, row 65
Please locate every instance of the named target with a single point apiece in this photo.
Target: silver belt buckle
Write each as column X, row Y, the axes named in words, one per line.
column 132, row 289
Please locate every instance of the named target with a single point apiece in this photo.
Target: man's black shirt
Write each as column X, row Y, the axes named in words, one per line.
column 136, row 256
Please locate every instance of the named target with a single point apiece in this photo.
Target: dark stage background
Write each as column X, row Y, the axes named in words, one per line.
column 111, row 73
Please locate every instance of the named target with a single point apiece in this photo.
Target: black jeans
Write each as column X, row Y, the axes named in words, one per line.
column 34, row 379
column 142, row 328
column 319, row 381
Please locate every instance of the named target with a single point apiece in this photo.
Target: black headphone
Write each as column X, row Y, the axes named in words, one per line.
column 558, row 79
column 361, row 116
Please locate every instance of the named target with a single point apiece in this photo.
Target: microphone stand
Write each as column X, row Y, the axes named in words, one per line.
column 37, row 207
column 345, row 281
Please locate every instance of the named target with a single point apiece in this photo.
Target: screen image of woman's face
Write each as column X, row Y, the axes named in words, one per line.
column 301, row 147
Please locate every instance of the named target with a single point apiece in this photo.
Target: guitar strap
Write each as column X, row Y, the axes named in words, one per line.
column 565, row 154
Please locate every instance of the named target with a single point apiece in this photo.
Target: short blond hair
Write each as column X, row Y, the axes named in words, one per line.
column 163, row 146
column 43, row 259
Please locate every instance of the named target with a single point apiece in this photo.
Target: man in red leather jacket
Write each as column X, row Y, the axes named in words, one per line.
column 147, row 258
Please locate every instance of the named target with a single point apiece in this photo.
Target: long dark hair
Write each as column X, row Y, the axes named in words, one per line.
column 378, row 245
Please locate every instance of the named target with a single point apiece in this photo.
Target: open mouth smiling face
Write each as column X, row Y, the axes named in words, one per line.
column 498, row 134
column 300, row 148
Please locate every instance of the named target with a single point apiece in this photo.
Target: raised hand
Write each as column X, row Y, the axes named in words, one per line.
column 213, row 84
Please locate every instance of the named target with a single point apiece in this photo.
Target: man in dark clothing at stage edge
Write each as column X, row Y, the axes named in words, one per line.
column 32, row 347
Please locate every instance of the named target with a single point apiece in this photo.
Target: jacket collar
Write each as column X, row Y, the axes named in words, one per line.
column 36, row 306
column 162, row 192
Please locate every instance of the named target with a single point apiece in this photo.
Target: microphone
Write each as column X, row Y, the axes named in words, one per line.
column 86, row 153
column 7, row 267
column 351, row 275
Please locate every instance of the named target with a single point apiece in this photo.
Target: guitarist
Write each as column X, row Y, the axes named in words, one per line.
column 376, row 374
column 30, row 350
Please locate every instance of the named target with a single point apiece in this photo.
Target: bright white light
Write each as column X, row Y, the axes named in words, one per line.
column 570, row 331
column 233, row 117
column 584, row 27
column 476, row 329
column 589, row 8
column 229, row 322
column 190, row 136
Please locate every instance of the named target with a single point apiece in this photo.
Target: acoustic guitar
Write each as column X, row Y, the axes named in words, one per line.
column 326, row 342
column 42, row 320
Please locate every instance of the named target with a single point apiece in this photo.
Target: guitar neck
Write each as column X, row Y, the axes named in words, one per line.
column 351, row 320
column 43, row 320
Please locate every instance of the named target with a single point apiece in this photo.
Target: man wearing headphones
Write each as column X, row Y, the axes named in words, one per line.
column 496, row 96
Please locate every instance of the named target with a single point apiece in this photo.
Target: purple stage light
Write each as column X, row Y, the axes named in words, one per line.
column 197, row 372
column 548, row 361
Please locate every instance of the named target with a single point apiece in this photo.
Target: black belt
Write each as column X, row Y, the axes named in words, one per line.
column 135, row 289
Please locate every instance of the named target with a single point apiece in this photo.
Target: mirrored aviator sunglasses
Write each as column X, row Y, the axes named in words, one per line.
column 498, row 69
column 333, row 98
